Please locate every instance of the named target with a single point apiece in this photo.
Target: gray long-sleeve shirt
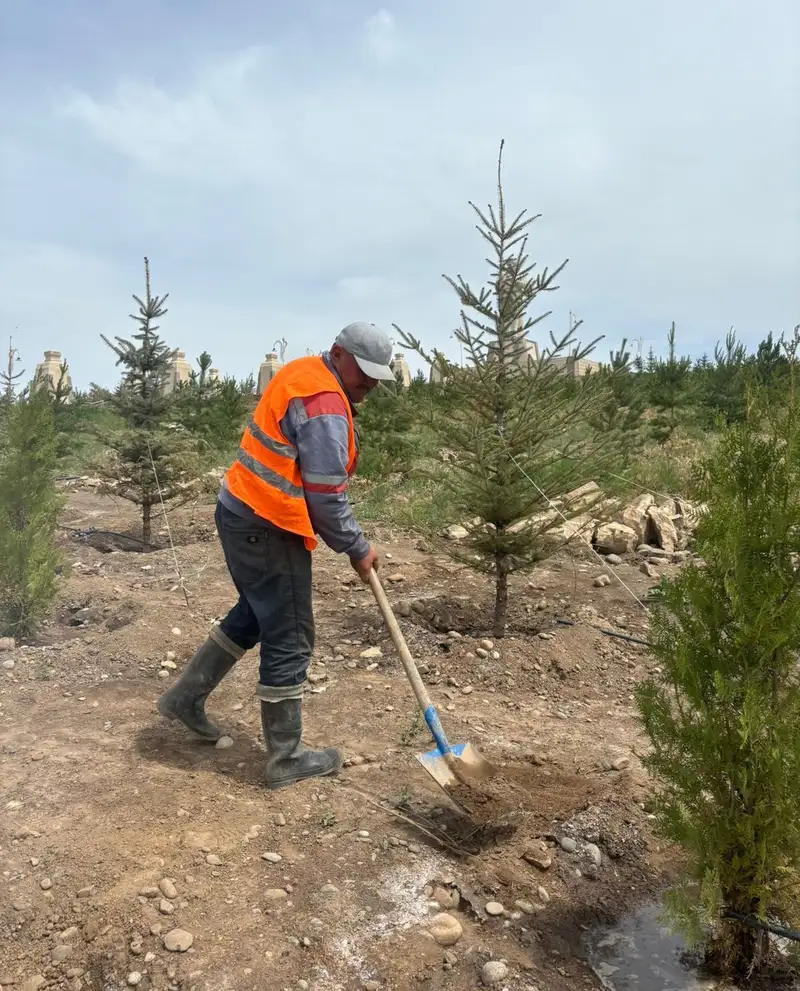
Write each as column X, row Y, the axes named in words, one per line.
column 317, row 426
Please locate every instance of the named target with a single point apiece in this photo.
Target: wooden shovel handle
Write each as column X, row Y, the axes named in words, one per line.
column 417, row 684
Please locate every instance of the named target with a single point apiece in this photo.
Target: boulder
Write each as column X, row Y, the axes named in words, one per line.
column 615, row 538
column 686, row 519
column 660, row 529
column 534, row 523
column 583, row 497
column 455, row 532
column 635, row 515
column 579, row 528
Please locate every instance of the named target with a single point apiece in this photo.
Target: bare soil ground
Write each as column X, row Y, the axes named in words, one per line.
column 116, row 828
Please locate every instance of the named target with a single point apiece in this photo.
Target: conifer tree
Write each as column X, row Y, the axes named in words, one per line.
column 520, row 427
column 247, row 386
column 151, row 459
column 768, row 364
column 722, row 716
column 669, row 389
column 10, row 377
column 29, row 507
column 211, row 410
column 621, row 415
column 69, row 413
column 721, row 385
column 384, row 425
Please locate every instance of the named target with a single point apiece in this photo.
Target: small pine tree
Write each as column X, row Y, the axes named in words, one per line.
column 721, row 386
column 769, row 364
column 211, row 410
column 247, row 386
column 384, row 425
column 622, row 413
column 69, row 412
column 722, row 717
column 520, row 428
column 9, row 378
column 29, row 507
column 151, row 460
column 669, row 384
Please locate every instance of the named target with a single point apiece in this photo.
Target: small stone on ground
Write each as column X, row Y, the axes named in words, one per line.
column 178, row 941
column 445, row 929
column 494, row 971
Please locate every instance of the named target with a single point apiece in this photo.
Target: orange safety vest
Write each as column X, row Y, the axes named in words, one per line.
column 266, row 474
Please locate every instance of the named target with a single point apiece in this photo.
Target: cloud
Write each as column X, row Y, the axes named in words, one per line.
column 288, row 177
column 361, row 287
column 380, row 37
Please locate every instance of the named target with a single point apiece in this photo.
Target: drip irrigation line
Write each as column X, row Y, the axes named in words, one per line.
column 770, row 927
column 607, row 633
column 93, row 532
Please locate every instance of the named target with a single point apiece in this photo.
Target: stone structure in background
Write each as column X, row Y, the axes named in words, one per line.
column 48, row 373
column 269, row 367
column 179, row 371
column 438, row 373
column 401, row 370
column 213, row 374
column 575, row 367
column 530, row 355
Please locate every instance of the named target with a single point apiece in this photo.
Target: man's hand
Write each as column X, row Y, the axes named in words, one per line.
column 365, row 564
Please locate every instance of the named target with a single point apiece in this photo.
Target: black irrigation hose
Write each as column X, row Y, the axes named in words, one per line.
column 607, row 633
column 84, row 534
column 770, row 927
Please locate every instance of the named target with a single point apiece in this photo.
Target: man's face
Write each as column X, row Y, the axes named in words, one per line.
column 356, row 384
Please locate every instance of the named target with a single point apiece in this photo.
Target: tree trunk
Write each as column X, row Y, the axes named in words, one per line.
column 739, row 951
column 146, row 525
column 749, row 951
column 500, row 600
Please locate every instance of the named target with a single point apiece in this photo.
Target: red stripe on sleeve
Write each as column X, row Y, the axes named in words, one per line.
column 315, row 487
column 324, row 403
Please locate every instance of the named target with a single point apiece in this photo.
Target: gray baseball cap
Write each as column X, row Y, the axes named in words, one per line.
column 371, row 348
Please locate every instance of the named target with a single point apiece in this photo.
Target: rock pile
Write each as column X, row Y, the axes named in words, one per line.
column 647, row 523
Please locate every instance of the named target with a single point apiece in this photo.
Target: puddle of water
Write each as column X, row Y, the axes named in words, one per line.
column 640, row 954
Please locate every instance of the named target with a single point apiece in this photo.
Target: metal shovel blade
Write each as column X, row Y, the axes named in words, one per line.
column 469, row 764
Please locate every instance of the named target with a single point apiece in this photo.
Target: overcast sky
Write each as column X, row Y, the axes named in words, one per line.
column 289, row 168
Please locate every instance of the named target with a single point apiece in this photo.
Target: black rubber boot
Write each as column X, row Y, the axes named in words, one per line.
column 186, row 699
column 288, row 761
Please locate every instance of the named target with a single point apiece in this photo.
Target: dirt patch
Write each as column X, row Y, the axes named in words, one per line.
column 515, row 795
column 102, row 802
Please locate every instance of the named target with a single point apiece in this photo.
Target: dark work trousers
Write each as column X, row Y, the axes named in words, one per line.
column 271, row 570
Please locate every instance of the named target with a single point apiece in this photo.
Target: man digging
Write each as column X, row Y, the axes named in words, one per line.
column 288, row 483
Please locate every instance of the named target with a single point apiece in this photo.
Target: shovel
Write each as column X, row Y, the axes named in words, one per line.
column 450, row 766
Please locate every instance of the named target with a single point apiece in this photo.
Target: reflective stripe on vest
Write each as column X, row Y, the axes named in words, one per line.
column 266, row 474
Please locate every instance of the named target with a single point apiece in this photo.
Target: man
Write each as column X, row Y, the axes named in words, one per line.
column 288, row 483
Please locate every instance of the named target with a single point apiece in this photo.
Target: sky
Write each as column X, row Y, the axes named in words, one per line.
column 290, row 168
